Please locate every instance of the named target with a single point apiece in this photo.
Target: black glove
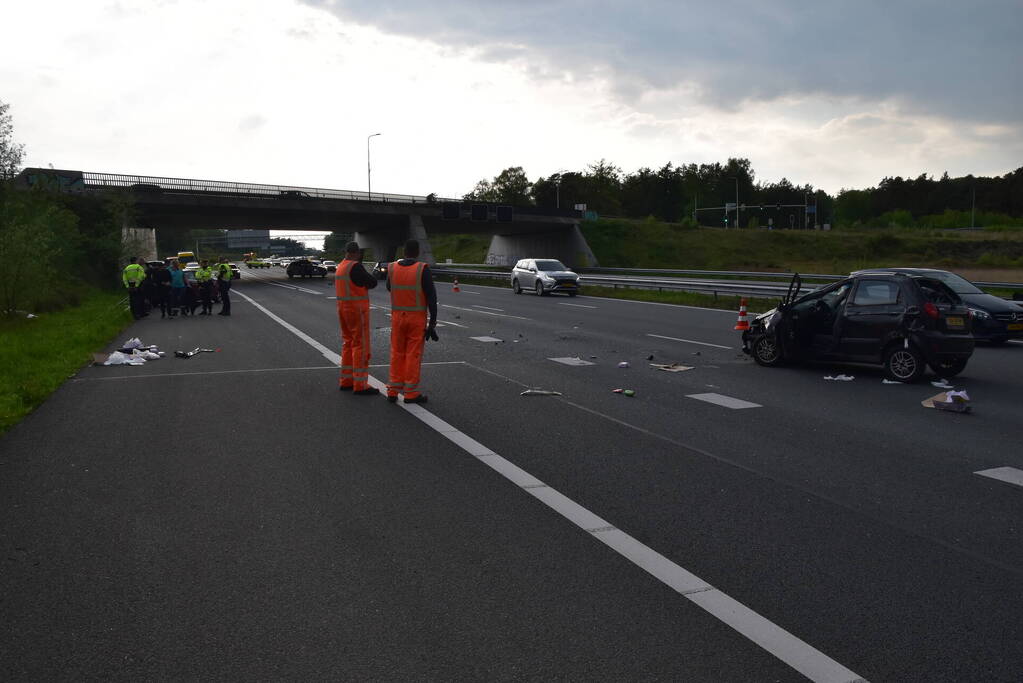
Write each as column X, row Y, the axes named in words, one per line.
column 431, row 333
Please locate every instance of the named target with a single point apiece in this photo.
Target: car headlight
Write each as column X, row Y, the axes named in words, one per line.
column 979, row 314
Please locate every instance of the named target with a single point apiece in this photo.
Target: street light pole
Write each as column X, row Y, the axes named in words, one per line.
column 737, row 201
column 369, row 183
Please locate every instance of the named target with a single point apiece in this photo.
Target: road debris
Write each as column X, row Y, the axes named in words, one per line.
column 650, row 357
column 671, row 367
column 840, row 378
column 890, row 381
column 540, row 392
column 941, row 384
column 624, row 392
column 624, row 364
column 950, row 401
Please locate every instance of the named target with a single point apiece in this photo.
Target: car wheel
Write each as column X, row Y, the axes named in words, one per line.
column 903, row 365
column 949, row 368
column 766, row 351
column 539, row 288
column 572, row 293
column 515, row 287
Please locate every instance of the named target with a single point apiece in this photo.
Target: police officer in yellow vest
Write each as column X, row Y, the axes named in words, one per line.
column 133, row 276
column 352, row 284
column 204, row 276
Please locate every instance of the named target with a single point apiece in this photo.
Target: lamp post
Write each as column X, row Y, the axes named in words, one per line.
column 369, row 183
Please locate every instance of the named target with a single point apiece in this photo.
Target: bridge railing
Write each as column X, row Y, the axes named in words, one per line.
column 142, row 183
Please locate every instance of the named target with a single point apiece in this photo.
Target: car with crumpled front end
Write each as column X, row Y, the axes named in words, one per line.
column 995, row 320
column 904, row 322
column 543, row 276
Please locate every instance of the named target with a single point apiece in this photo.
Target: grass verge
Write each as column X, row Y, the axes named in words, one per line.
column 38, row 354
column 668, row 297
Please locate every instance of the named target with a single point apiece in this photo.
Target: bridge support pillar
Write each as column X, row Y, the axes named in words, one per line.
column 568, row 246
column 387, row 244
column 138, row 241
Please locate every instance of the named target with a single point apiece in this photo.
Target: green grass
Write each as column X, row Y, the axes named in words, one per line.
column 38, row 354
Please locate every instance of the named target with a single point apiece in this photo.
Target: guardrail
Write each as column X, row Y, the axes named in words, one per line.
column 714, row 287
column 142, row 183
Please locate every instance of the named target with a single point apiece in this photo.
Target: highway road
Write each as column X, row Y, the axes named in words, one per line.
column 234, row 516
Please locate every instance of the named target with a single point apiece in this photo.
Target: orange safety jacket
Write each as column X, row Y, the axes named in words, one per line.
column 407, row 287
column 348, row 293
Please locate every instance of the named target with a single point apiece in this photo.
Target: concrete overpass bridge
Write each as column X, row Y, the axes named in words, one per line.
column 381, row 222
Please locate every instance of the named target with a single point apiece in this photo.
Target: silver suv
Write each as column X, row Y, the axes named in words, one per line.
column 543, row 276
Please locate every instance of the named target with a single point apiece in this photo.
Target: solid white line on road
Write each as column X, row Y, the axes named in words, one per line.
column 689, row 341
column 475, row 310
column 1015, row 341
column 445, row 323
column 488, row 308
column 576, row 305
column 486, row 339
column 466, row 291
column 726, row 401
column 324, row 351
column 1009, row 475
column 798, row 654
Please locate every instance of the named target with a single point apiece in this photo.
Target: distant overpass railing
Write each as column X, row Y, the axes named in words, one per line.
column 142, row 183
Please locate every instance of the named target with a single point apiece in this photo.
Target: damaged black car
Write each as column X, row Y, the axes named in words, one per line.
column 904, row 322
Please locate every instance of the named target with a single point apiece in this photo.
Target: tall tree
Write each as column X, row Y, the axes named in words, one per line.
column 11, row 152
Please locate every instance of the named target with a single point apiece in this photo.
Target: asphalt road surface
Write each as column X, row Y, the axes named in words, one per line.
column 234, row 516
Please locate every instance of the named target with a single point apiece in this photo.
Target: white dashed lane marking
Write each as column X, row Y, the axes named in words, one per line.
column 689, row 341
column 1010, row 475
column 476, row 310
column 488, row 308
column 787, row 647
column 726, row 401
column 486, row 339
column 571, row 361
column 576, row 305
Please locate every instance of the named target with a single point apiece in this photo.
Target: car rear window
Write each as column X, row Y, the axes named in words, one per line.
column 876, row 293
column 937, row 292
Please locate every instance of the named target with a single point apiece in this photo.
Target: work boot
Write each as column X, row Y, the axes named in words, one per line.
column 421, row 398
column 342, row 387
column 368, row 391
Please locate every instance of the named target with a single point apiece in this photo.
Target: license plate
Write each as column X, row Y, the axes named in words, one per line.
column 1015, row 326
column 954, row 321
column 572, row 284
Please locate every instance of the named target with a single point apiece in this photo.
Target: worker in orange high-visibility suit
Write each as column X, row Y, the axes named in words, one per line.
column 412, row 296
column 352, row 284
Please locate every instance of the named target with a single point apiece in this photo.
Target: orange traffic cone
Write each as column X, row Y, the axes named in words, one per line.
column 455, row 288
column 743, row 322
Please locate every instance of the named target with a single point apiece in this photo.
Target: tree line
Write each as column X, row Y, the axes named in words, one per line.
column 684, row 193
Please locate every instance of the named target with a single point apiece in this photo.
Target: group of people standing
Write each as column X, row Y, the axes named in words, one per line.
column 413, row 321
column 164, row 286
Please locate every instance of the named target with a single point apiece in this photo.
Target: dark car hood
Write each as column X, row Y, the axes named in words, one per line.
column 991, row 303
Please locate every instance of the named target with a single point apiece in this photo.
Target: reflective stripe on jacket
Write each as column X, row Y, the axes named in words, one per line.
column 407, row 286
column 346, row 290
column 133, row 274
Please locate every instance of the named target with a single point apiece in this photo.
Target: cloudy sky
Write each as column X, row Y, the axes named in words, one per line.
column 836, row 94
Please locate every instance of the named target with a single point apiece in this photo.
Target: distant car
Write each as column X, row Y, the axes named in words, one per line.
column 191, row 265
column 235, row 272
column 901, row 321
column 257, row 263
column 995, row 320
column 331, row 266
column 543, row 276
column 305, row 268
column 380, row 270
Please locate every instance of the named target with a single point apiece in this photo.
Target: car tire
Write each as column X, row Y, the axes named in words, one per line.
column 539, row 288
column 949, row 368
column 766, row 351
column 903, row 364
column 572, row 293
column 516, row 287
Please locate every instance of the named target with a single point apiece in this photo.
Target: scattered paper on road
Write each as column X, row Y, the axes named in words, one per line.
column 540, row 392
column 840, row 378
column 671, row 367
